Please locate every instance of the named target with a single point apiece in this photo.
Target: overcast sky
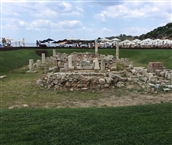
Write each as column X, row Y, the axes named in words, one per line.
column 81, row 19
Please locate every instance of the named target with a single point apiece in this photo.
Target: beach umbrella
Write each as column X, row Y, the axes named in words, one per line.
column 142, row 43
column 147, row 41
column 69, row 42
column 59, row 41
column 43, row 41
column 8, row 39
column 104, row 40
column 46, row 40
column 130, row 43
column 166, row 41
column 63, row 42
column 157, row 42
column 49, row 39
column 115, row 39
column 170, row 42
column 126, row 41
column 73, row 39
column 54, row 42
column 109, row 43
column 136, row 40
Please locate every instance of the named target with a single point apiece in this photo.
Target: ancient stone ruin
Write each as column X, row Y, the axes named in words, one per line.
column 81, row 71
column 87, row 71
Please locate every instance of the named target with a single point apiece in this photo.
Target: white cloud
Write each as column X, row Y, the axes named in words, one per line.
column 39, row 24
column 139, row 10
column 79, row 8
column 22, row 23
column 106, row 30
column 42, row 9
column 10, row 23
column 101, row 3
column 70, row 24
column 7, row 12
column 135, row 31
column 42, row 24
column 46, row 13
column 64, row 6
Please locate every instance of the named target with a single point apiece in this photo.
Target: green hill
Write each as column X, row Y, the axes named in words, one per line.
column 162, row 32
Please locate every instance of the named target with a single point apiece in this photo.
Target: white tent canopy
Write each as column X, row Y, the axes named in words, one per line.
column 104, row 40
column 115, row 39
column 136, row 40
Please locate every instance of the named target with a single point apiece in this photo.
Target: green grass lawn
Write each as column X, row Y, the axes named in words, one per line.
column 10, row 60
column 133, row 125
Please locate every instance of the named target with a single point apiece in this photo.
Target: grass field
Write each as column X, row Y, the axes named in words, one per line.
column 19, row 88
column 10, row 60
column 133, row 125
column 138, row 125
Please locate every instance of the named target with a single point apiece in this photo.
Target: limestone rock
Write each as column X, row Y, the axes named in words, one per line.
column 106, row 85
column 1, row 77
column 108, row 80
column 25, row 105
column 102, row 81
column 120, row 84
column 169, row 76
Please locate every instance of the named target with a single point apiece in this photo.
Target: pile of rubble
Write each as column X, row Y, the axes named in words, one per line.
column 150, row 79
column 81, row 81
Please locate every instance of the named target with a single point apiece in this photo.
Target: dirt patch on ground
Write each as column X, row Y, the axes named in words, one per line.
column 114, row 98
column 132, row 94
column 129, row 95
column 114, row 101
column 130, row 100
column 108, row 101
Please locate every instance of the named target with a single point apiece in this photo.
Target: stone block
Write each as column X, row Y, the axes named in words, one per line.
column 169, row 76
column 152, row 66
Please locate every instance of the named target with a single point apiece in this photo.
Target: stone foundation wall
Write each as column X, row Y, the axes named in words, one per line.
column 75, row 81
